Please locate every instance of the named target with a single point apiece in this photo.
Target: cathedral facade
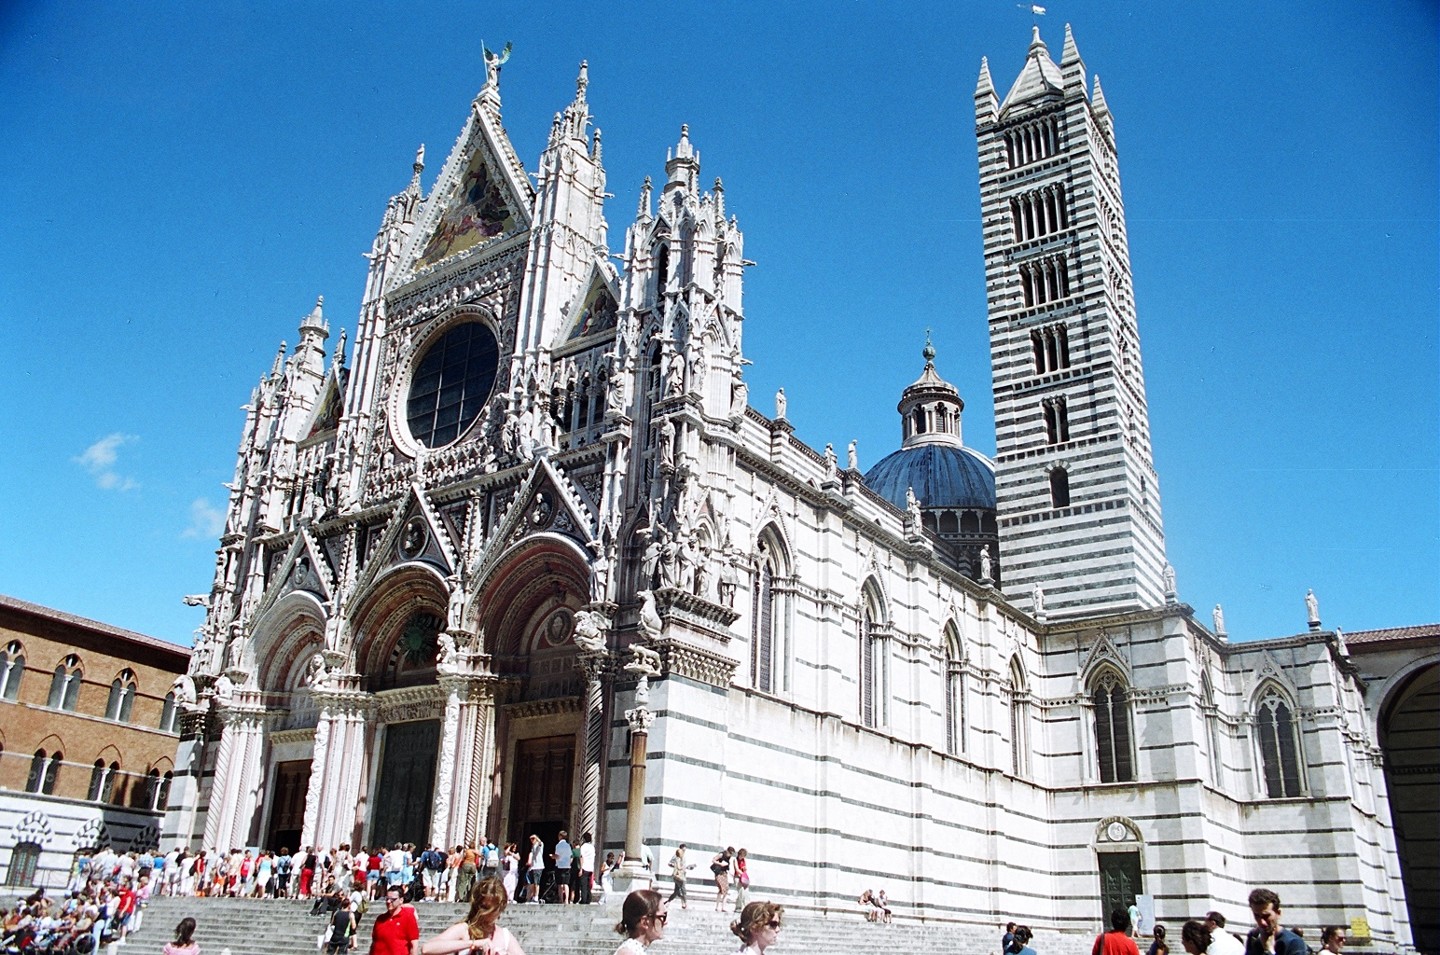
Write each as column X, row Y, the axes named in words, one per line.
column 536, row 520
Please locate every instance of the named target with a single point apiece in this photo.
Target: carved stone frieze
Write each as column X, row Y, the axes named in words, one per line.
column 696, row 663
column 675, row 605
column 557, row 706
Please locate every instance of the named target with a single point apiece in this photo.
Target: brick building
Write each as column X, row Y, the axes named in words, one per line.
column 87, row 737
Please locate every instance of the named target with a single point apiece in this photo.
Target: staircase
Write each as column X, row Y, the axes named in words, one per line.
column 283, row 927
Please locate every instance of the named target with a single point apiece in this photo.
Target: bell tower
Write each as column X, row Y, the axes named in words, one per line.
column 1077, row 493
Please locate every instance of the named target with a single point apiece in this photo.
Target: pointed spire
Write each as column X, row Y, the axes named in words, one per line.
column 719, row 201
column 279, row 364
column 582, row 82
column 1098, row 104
column 338, row 361
column 1071, row 53
column 987, row 105
column 1071, row 65
column 417, row 168
column 644, row 211
column 1037, row 45
column 596, row 152
column 683, row 166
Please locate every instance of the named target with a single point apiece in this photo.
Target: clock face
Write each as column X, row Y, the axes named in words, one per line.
column 451, row 383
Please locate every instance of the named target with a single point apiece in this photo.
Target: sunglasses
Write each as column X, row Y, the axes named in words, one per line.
column 774, row 923
column 661, row 917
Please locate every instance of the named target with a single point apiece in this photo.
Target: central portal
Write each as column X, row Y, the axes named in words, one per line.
column 541, row 788
column 405, row 788
column 287, row 808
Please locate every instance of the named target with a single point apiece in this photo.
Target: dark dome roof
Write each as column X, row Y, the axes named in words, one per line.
column 942, row 475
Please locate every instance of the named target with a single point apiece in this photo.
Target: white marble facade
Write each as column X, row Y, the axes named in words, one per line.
column 438, row 554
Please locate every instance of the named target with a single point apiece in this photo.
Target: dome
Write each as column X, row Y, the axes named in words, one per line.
column 943, row 475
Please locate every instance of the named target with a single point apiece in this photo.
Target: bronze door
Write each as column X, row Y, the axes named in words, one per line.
column 541, row 790
column 405, row 788
column 287, row 805
column 1120, row 882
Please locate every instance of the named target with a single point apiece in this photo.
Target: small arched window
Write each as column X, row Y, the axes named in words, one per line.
column 762, row 657
column 1212, row 728
column 122, row 697
column 1019, row 719
column 1113, row 751
column 168, row 713
column 97, row 781
column 110, row 785
column 37, row 772
column 874, row 659
column 24, row 859
column 1059, row 488
column 12, row 668
column 1279, row 746
column 65, row 684
column 52, row 773
column 162, row 792
column 954, row 693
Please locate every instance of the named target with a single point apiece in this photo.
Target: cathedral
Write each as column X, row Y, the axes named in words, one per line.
column 531, row 557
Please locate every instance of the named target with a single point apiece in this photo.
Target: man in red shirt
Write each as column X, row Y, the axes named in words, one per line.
column 396, row 932
column 1117, row 941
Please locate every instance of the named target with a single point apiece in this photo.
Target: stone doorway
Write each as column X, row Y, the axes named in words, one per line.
column 287, row 809
column 1120, row 882
column 540, row 790
column 405, row 785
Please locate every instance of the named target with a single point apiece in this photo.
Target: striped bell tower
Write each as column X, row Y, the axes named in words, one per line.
column 1078, row 498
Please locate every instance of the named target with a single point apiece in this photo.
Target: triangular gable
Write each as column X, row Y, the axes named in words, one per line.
column 1103, row 651
column 545, row 502
column 1268, row 670
column 597, row 311
column 325, row 417
column 414, row 533
column 304, row 567
column 481, row 197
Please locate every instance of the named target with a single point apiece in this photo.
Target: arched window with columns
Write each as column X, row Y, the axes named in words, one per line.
column 12, row 668
column 65, row 684
column 1114, row 739
column 767, row 614
column 1019, row 718
column 955, row 704
column 874, row 659
column 1279, row 740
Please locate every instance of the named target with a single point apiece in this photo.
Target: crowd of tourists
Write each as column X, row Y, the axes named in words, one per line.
column 99, row 912
column 1206, row 935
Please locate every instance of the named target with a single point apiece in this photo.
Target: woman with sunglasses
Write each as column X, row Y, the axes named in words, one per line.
column 479, row 932
column 758, row 927
column 642, row 921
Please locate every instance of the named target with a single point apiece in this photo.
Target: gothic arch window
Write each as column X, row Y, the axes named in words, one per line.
column 97, row 781
column 1019, row 719
column 162, row 792
column 1114, row 749
column 36, row 778
column 12, row 668
column 1279, row 741
column 24, row 859
column 168, row 713
column 1059, row 488
column 1212, row 727
column 766, row 613
column 662, row 271
column 955, row 707
column 122, row 697
column 65, row 684
column 112, row 788
column 874, row 660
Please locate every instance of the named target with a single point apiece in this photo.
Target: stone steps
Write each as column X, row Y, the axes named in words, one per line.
column 282, row 927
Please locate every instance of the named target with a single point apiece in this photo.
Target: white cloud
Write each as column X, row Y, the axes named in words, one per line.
column 206, row 520
column 100, row 459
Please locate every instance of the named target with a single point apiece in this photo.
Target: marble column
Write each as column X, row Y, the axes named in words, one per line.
column 465, row 760
column 595, row 666
column 337, row 766
column 633, row 874
column 239, row 771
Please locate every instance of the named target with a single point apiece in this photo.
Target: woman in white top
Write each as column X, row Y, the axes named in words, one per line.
column 642, row 921
column 478, row 933
column 758, row 927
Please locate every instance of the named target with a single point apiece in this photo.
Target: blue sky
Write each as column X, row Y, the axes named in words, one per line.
column 181, row 180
